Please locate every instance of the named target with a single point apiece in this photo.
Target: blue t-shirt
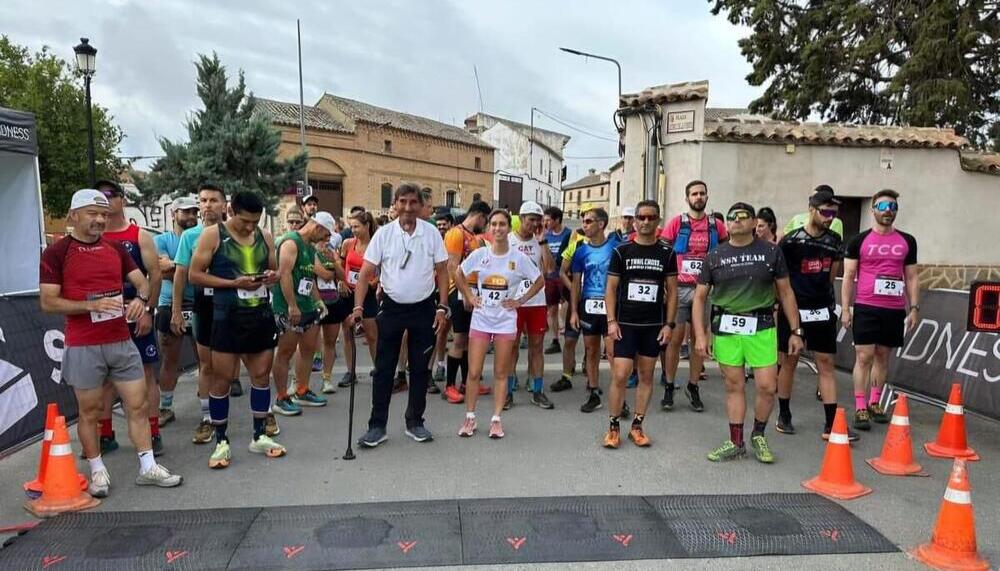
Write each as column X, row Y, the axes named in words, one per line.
column 185, row 249
column 166, row 244
column 593, row 262
column 555, row 240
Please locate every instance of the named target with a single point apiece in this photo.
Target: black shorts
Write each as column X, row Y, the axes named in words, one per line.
column 638, row 340
column 591, row 324
column 204, row 310
column 819, row 336
column 460, row 318
column 878, row 326
column 163, row 316
column 149, row 351
column 369, row 309
column 337, row 311
column 243, row 329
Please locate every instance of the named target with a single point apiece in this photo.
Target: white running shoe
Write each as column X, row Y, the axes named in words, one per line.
column 100, row 483
column 468, row 427
column 158, row 476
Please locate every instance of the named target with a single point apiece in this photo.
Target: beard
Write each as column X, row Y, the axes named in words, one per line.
column 698, row 206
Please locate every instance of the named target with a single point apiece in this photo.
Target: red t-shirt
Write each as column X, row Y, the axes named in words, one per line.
column 689, row 263
column 88, row 271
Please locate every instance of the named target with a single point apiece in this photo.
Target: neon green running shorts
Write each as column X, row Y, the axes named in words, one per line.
column 757, row 350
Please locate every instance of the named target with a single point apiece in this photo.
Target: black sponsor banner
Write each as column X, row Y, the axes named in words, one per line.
column 31, row 348
column 940, row 351
column 17, row 132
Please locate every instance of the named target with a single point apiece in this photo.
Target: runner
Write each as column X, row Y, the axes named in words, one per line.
column 813, row 254
column 332, row 287
column 766, row 227
column 532, row 316
column 139, row 244
column 459, row 242
column 626, row 228
column 500, row 270
column 310, row 205
column 444, row 222
column 799, row 220
column 298, row 310
column 556, row 296
column 589, row 315
column 884, row 261
column 353, row 254
column 236, row 259
column 81, row 277
column 743, row 275
column 185, row 214
column 692, row 237
column 641, row 301
column 570, row 336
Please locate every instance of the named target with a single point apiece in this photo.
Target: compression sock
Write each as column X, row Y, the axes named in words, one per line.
column 218, row 409
column 166, row 399
column 154, row 426
column 829, row 411
column 106, row 429
column 451, row 370
column 510, row 384
column 758, row 426
column 465, row 366
column 260, row 402
column 205, row 415
column 876, row 395
column 736, row 433
column 784, row 410
column 537, row 385
column 859, row 400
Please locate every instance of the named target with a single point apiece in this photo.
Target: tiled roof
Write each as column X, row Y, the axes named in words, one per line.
column 589, row 180
column 666, row 94
column 988, row 163
column 283, row 113
column 358, row 111
column 718, row 113
column 757, row 128
column 525, row 130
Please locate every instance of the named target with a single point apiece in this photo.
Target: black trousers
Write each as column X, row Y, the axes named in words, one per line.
column 393, row 319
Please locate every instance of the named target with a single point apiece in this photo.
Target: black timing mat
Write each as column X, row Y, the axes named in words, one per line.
column 447, row 532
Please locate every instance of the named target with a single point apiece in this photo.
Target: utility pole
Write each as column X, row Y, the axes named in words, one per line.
column 302, row 107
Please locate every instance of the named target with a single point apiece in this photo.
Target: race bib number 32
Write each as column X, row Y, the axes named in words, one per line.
column 595, row 307
column 738, row 324
column 889, row 286
column 643, row 292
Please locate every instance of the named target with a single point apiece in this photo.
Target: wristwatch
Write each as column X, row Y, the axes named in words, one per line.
column 672, row 324
column 798, row 332
column 914, row 308
column 445, row 309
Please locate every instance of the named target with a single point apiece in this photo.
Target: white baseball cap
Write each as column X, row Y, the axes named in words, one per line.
column 326, row 220
column 184, row 203
column 530, row 207
column 628, row 211
column 88, row 197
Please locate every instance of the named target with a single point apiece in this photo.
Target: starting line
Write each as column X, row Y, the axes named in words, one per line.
column 447, row 532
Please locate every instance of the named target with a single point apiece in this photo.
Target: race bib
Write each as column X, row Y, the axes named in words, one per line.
column 326, row 285
column 814, row 315
column 352, row 277
column 889, row 286
column 738, row 324
column 691, row 267
column 643, row 292
column 493, row 298
column 209, row 291
column 595, row 307
column 259, row 293
column 187, row 315
column 305, row 286
column 99, row 316
column 522, row 288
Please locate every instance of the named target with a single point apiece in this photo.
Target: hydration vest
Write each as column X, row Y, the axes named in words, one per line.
column 684, row 234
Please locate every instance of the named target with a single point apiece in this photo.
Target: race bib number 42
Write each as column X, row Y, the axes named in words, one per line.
column 738, row 324
column 643, row 292
column 493, row 298
column 889, row 286
column 595, row 307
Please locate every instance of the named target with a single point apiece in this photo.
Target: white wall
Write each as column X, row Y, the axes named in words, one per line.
column 512, row 156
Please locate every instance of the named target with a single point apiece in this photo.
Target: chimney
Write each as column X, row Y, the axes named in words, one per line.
column 592, row 171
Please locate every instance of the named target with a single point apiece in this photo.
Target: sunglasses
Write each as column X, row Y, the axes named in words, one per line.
column 589, row 221
column 739, row 216
column 111, row 193
column 647, row 218
column 828, row 212
column 886, row 206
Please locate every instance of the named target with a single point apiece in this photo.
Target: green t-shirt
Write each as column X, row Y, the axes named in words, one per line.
column 742, row 277
column 303, row 276
column 799, row 220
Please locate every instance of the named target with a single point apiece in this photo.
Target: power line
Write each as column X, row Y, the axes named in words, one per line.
column 594, row 157
column 575, row 128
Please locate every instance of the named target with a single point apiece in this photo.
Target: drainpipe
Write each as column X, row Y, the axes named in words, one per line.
column 652, row 162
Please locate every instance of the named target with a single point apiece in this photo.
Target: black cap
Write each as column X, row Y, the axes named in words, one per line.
column 442, row 213
column 823, row 196
column 742, row 206
column 114, row 185
column 311, row 197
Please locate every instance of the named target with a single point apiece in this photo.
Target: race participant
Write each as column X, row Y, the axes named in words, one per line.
column 742, row 275
column 884, row 261
column 139, row 244
column 766, row 227
column 236, row 259
column 298, row 310
column 641, row 301
column 81, row 277
column 557, row 237
column 813, row 254
column 347, row 232
column 500, row 271
column 692, row 237
column 310, row 205
column 589, row 314
column 444, row 222
column 626, row 229
column 571, row 336
column 185, row 214
column 799, row 220
column 352, row 252
column 332, row 288
column 532, row 315
column 459, row 242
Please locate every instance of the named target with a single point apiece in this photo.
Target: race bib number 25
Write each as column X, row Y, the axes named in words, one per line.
column 889, row 286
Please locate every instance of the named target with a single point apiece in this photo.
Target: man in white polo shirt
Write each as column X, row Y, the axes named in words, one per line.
column 410, row 256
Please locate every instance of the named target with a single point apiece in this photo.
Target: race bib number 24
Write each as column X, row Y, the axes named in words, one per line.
column 595, row 307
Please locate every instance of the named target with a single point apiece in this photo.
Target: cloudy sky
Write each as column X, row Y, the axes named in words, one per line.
column 415, row 56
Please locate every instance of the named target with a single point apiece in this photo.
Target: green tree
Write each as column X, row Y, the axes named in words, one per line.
column 227, row 144
column 48, row 87
column 926, row 63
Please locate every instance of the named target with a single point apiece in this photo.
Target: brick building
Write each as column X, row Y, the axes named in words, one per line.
column 593, row 189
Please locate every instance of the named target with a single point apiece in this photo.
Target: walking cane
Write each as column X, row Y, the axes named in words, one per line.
column 349, row 455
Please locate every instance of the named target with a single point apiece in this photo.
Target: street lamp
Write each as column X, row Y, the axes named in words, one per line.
column 612, row 60
column 86, row 62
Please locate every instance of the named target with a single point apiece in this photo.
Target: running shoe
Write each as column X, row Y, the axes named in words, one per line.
column 271, row 427
column 264, row 445
column 468, row 427
column 703, row 376
column 626, row 413
column 784, row 425
column 108, row 444
column 593, row 402
column 685, row 352
column 761, row 451
column 877, row 412
column 348, row 380
column 851, row 435
column 419, row 433
column 496, row 429
column 514, row 383
column 663, row 380
column 748, row 374
column 541, row 401
column 373, row 437
column 438, row 376
column 220, row 456
column 432, row 388
column 452, row 395
column 166, row 416
column 667, row 403
column 100, row 483
column 563, row 384
column 633, row 380
column 399, row 384
column 485, row 390
column 691, row 392
column 328, row 387
column 509, row 401
column 613, row 437
column 317, row 364
column 309, row 398
column 553, row 348
column 862, row 420
column 727, row 451
column 204, row 433
column 236, row 389
column 286, row 407
column 157, row 445
column 638, row 436
column 158, row 476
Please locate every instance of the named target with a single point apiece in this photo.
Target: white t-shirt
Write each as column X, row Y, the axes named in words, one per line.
column 499, row 279
column 391, row 249
column 533, row 250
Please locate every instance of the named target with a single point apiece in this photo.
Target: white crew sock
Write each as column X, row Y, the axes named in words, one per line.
column 96, row 464
column 146, row 461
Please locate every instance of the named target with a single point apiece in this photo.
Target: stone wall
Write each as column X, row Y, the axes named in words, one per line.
column 956, row 277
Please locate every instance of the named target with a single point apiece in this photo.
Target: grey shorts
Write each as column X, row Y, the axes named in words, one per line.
column 90, row 366
column 685, row 301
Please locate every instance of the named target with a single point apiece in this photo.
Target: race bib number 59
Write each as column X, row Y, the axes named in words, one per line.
column 738, row 324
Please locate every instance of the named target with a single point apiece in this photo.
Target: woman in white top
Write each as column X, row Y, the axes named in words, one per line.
column 498, row 271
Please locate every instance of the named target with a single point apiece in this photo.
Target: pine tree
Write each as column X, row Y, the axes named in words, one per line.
column 227, row 144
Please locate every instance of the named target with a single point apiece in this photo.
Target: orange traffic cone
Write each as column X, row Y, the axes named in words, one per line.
column 897, row 451
column 836, row 477
column 61, row 487
column 33, row 488
column 953, row 544
column 951, row 442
